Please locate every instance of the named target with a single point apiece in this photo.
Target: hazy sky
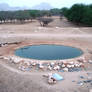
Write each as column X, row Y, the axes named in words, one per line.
column 54, row 3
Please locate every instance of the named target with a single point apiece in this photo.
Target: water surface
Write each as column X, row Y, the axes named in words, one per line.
column 48, row 52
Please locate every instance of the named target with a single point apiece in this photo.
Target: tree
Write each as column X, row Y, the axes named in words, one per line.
column 22, row 16
column 55, row 12
column 45, row 21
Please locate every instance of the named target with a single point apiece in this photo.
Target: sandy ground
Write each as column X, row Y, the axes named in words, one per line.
column 63, row 32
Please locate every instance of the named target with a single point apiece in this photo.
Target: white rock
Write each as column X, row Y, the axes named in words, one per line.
column 49, row 67
column 69, row 66
column 65, row 69
column 56, row 67
column 63, row 65
column 16, row 61
column 7, row 58
column 90, row 61
column 50, row 81
column 71, row 63
column 33, row 64
column 72, row 66
column 52, row 64
column 76, row 65
column 41, row 66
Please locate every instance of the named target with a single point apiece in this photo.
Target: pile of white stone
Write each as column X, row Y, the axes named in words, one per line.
column 27, row 65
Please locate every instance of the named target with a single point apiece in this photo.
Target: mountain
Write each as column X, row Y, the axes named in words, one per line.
column 6, row 7
column 42, row 6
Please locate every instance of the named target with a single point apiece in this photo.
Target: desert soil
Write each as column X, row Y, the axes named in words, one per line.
column 59, row 31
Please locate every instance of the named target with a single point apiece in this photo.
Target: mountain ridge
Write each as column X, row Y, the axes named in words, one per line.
column 41, row 6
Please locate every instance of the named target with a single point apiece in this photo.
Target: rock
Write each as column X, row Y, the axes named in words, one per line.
column 7, row 58
column 69, row 66
column 41, row 66
column 71, row 63
column 15, row 60
column 76, row 65
column 63, row 66
column 90, row 61
column 72, row 66
column 82, row 59
column 52, row 64
column 56, row 67
column 50, row 81
column 65, row 69
column 33, row 64
column 49, row 68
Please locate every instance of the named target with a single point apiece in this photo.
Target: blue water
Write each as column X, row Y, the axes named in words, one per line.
column 48, row 52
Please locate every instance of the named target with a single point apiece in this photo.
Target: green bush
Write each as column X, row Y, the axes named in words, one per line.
column 79, row 13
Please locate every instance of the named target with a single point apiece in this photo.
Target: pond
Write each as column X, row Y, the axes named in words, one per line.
column 48, row 52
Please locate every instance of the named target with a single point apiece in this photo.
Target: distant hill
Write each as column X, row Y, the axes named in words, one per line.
column 41, row 6
column 6, row 7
